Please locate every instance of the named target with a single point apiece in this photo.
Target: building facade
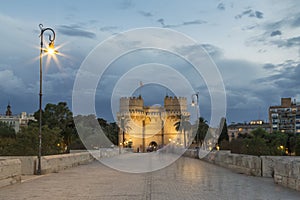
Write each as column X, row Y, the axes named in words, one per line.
column 151, row 127
column 285, row 117
column 240, row 129
column 16, row 121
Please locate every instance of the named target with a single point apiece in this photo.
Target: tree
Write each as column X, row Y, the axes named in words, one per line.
column 255, row 146
column 59, row 116
column 297, row 146
column 111, row 130
column 26, row 142
column 276, row 142
column 6, row 146
column 7, row 131
column 291, row 143
column 224, row 134
column 112, row 133
column 201, row 130
column 183, row 125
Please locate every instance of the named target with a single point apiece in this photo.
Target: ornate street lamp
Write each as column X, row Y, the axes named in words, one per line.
column 51, row 51
column 123, row 131
column 195, row 102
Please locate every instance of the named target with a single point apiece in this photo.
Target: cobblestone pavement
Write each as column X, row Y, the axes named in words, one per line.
column 185, row 179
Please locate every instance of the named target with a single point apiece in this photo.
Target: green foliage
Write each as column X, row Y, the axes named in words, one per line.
column 223, row 135
column 297, row 145
column 201, row 130
column 59, row 117
column 111, row 131
column 224, row 145
column 26, row 142
column 7, row 146
column 183, row 125
column 6, row 131
column 259, row 142
column 255, row 146
column 94, row 135
column 235, row 145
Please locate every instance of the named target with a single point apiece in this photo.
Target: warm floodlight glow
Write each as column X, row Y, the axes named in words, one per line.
column 51, row 50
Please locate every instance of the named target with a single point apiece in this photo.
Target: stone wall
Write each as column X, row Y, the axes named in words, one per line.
column 10, row 172
column 245, row 164
column 287, row 173
column 28, row 163
column 55, row 163
column 285, row 170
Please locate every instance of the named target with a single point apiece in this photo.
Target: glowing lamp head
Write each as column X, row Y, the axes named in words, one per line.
column 51, row 50
column 193, row 103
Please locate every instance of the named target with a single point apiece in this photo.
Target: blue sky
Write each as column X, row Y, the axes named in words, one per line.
column 255, row 45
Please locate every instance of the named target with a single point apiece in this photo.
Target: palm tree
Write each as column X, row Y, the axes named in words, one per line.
column 124, row 127
column 201, row 131
column 183, row 125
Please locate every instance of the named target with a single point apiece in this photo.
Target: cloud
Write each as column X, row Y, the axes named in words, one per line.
column 252, row 97
column 221, row 6
column 269, row 66
column 284, row 76
column 161, row 21
column 213, row 51
column 75, row 30
column 258, row 15
column 126, row 4
column 11, row 83
column 296, row 21
column 251, row 13
column 109, row 28
column 193, row 22
column 146, row 14
column 185, row 23
column 268, row 38
column 275, row 33
column 291, row 42
column 291, row 21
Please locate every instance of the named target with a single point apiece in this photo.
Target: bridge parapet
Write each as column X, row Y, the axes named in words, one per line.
column 245, row 164
column 285, row 170
column 10, row 172
column 287, row 173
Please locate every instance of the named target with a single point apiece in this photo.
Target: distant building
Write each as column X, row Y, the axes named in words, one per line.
column 240, row 129
column 151, row 126
column 285, row 117
column 16, row 121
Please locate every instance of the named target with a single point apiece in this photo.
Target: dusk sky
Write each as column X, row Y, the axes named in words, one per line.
column 255, row 45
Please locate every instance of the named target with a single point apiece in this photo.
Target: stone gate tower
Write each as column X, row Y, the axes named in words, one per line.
column 151, row 127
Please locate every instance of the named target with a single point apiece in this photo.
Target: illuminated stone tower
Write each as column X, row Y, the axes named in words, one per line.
column 150, row 127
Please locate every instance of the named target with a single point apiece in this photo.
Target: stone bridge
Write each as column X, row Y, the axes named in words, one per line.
column 186, row 178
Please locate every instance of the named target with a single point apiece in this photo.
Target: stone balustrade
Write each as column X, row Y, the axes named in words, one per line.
column 12, row 167
column 55, row 163
column 10, row 172
column 285, row 170
column 245, row 164
column 287, row 173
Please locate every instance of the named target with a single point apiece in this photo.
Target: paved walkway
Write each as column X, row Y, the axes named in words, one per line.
column 185, row 179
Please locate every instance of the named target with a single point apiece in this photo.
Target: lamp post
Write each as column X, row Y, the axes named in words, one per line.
column 123, row 132
column 50, row 50
column 162, row 130
column 196, row 104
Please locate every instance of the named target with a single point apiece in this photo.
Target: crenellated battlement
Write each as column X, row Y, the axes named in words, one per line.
column 175, row 103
